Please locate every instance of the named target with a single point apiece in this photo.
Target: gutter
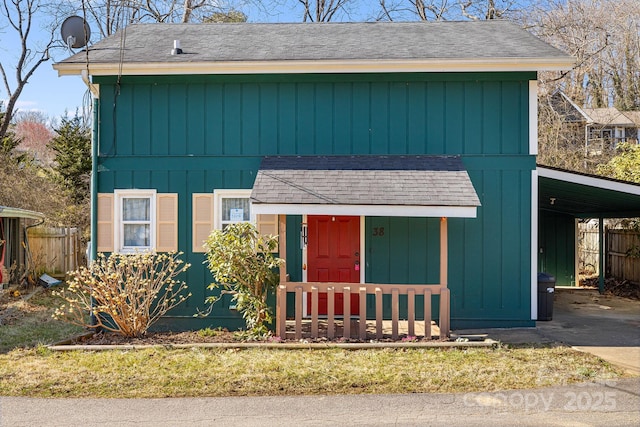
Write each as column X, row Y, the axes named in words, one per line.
column 318, row 66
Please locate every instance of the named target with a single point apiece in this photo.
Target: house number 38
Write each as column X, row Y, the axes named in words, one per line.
column 378, row 231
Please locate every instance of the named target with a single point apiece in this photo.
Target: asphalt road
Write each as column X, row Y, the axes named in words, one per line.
column 615, row 403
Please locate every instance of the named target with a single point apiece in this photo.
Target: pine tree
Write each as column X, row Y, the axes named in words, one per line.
column 72, row 147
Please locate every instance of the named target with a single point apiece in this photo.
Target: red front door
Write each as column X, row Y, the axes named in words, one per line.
column 333, row 255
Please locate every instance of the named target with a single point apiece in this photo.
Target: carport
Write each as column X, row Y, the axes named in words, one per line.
column 13, row 241
column 563, row 198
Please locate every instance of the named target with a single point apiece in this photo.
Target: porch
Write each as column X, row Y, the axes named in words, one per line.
column 308, row 322
column 339, row 198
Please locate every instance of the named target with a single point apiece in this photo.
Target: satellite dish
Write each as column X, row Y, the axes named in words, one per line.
column 75, row 32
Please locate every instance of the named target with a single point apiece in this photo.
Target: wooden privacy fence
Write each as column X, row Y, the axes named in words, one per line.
column 350, row 289
column 623, row 254
column 588, row 250
column 55, row 250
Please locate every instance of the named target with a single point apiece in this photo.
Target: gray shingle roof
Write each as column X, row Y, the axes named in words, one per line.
column 364, row 180
column 152, row 43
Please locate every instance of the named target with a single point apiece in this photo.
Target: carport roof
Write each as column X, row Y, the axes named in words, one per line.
column 586, row 196
column 8, row 212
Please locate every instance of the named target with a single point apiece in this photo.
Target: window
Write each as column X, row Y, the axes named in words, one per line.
column 232, row 206
column 135, row 220
column 223, row 207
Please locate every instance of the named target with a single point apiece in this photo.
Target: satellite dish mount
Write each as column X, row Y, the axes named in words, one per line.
column 75, row 32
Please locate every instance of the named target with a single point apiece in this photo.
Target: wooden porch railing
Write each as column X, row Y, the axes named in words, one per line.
column 349, row 289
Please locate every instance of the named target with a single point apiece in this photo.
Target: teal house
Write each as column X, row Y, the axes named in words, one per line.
column 395, row 161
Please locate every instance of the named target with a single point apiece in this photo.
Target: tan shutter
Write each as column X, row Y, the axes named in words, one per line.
column 202, row 219
column 267, row 224
column 166, row 222
column 105, row 222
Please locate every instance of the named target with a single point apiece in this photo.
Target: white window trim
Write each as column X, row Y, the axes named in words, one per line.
column 118, row 229
column 218, row 195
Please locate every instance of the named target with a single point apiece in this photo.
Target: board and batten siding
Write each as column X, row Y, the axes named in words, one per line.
column 449, row 113
column 193, row 134
column 557, row 247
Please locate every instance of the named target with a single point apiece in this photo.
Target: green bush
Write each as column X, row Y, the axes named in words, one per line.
column 242, row 263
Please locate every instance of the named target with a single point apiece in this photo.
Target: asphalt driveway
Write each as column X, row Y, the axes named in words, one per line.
column 604, row 325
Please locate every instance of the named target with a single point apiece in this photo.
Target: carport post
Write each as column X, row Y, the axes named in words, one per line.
column 601, row 254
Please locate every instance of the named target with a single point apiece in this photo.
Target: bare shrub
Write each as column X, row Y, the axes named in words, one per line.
column 123, row 293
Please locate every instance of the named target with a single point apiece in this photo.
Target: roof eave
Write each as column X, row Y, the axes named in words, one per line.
column 589, row 180
column 574, row 105
column 317, row 66
column 7, row 212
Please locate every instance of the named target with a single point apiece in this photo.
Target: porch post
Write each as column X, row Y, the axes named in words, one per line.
column 443, row 252
column 601, row 257
column 281, row 312
column 282, row 246
column 281, row 294
column 444, row 291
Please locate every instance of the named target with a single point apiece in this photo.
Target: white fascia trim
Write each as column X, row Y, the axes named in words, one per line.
column 365, row 210
column 533, row 117
column 318, row 66
column 534, row 245
column 590, row 181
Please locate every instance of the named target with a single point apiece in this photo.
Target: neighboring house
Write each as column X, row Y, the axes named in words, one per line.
column 634, row 116
column 395, row 160
column 14, row 252
column 596, row 129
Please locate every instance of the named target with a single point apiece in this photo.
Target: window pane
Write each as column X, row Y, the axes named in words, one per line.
column 136, row 209
column 137, row 235
column 235, row 208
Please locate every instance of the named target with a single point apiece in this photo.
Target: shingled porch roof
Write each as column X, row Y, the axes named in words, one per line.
column 408, row 186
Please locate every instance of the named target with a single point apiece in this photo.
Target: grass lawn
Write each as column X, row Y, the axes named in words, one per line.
column 33, row 370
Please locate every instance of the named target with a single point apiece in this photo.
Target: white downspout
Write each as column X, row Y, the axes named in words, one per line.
column 92, row 88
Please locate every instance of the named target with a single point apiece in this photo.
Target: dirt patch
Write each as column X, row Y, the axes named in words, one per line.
column 157, row 338
column 14, row 305
column 619, row 288
column 215, row 336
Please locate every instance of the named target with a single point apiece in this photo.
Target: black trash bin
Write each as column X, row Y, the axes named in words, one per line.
column 546, row 292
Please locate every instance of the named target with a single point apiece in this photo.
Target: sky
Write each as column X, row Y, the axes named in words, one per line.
column 53, row 95
column 46, row 92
